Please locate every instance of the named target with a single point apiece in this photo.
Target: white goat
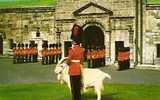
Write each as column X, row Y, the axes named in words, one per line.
column 91, row 77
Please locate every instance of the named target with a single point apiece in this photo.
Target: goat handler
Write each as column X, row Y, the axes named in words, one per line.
column 75, row 59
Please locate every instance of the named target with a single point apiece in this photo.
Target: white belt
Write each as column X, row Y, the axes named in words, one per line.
column 75, row 61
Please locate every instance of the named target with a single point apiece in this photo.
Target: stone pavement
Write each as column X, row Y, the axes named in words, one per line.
column 135, row 76
column 35, row 73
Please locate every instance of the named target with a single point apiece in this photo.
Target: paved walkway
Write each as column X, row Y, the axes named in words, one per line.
column 136, row 76
column 33, row 73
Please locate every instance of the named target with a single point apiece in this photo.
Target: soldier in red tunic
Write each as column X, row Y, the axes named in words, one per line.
column 50, row 54
column 18, row 53
column 88, row 55
column 25, row 53
column 59, row 52
column 22, row 53
column 75, row 56
column 54, row 54
column 14, row 53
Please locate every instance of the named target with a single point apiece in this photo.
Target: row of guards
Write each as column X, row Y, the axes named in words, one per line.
column 29, row 53
column 51, row 53
column 24, row 53
column 95, row 57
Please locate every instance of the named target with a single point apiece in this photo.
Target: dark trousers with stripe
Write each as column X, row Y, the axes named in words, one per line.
column 76, row 87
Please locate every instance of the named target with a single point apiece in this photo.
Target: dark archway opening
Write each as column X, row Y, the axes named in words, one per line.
column 93, row 42
column 93, row 37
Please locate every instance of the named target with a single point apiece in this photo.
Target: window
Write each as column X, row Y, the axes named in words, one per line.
column 158, row 50
column 37, row 34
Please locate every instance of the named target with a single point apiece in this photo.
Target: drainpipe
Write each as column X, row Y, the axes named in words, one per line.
column 136, row 34
column 141, row 31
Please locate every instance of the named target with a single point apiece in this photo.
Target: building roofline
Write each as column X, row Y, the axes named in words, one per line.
column 78, row 11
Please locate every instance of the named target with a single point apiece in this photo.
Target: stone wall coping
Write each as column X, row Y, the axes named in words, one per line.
column 153, row 7
column 129, row 17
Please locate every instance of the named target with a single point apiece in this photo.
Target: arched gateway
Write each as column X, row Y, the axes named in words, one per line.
column 93, row 37
column 93, row 40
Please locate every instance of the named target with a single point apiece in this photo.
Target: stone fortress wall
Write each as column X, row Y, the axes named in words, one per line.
column 116, row 26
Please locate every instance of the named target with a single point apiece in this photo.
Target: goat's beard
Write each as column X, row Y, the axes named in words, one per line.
column 60, row 79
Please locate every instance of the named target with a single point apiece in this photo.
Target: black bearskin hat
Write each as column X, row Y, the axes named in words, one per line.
column 76, row 33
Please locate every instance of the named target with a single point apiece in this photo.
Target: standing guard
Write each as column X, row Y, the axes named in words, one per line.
column 103, row 56
column 22, row 53
column 18, row 53
column 36, row 52
column 88, row 54
column 29, row 53
column 98, row 57
column 43, row 54
column 50, row 54
column 92, row 53
column 53, row 54
column 14, row 53
column 56, row 53
column 25, row 52
column 94, row 58
column 46, row 54
column 59, row 52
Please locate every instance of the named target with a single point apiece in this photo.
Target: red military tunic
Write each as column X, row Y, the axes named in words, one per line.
column 75, row 56
column 122, row 56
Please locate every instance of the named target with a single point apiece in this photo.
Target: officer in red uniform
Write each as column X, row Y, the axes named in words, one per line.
column 75, row 56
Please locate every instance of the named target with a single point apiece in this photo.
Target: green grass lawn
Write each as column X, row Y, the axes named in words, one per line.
column 153, row 1
column 55, row 91
column 26, row 3
column 40, row 3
